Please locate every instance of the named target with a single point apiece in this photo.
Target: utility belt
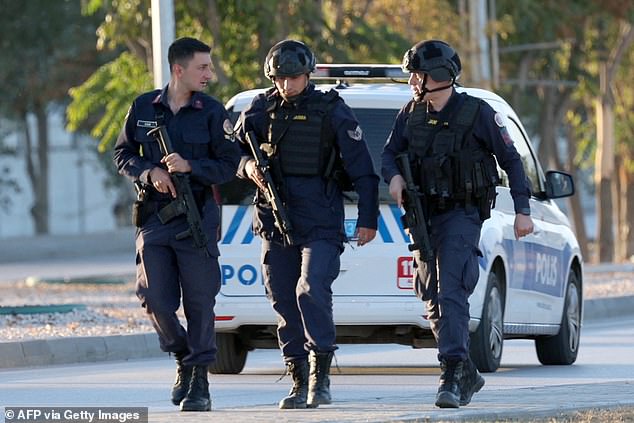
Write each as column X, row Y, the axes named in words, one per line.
column 150, row 202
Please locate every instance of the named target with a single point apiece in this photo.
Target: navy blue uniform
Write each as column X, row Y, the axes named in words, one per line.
column 202, row 135
column 455, row 233
column 298, row 278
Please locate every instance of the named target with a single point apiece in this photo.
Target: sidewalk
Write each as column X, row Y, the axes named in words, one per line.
column 49, row 247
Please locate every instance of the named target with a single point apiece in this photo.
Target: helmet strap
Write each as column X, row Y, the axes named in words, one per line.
column 424, row 91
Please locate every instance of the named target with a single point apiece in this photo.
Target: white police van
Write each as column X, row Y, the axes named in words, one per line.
column 531, row 288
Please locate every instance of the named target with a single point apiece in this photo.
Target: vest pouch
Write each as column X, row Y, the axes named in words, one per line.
column 428, row 174
column 485, row 203
column 491, row 180
column 442, row 150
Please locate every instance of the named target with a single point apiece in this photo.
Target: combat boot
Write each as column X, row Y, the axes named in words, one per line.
column 296, row 398
column 471, row 382
column 197, row 398
column 448, row 395
column 183, row 379
column 319, row 381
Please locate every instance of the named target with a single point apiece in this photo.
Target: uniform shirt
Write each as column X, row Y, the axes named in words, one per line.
column 315, row 206
column 493, row 137
column 200, row 132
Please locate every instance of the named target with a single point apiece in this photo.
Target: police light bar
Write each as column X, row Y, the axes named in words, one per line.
column 356, row 71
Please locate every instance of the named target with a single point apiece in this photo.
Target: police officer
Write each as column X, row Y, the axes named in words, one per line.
column 451, row 139
column 310, row 137
column 168, row 265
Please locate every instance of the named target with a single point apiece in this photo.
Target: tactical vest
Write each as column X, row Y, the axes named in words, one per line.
column 299, row 137
column 451, row 165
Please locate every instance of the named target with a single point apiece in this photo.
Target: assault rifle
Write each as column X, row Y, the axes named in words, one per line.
column 282, row 222
column 185, row 202
column 414, row 218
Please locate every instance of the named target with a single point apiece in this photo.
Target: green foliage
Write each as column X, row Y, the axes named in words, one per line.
column 46, row 46
column 108, row 93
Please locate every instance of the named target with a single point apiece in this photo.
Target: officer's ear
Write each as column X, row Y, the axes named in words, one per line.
column 177, row 70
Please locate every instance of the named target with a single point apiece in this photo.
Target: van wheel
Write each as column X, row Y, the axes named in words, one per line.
column 231, row 355
column 488, row 340
column 563, row 347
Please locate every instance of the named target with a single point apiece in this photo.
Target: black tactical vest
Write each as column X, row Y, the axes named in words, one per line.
column 300, row 138
column 451, row 165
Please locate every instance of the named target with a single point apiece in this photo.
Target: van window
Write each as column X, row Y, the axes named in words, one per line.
column 520, row 143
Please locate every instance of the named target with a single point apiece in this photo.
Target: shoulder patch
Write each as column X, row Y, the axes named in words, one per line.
column 227, row 127
column 499, row 120
column 356, row 135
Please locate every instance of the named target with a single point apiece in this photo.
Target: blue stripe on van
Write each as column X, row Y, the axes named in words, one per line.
column 384, row 231
column 234, row 225
column 397, row 213
column 248, row 237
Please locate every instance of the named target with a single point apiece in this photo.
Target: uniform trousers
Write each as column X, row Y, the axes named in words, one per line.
column 167, row 269
column 298, row 281
column 446, row 283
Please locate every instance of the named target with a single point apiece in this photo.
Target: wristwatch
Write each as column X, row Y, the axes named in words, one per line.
column 525, row 211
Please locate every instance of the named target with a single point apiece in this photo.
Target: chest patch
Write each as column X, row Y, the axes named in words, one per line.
column 146, row 123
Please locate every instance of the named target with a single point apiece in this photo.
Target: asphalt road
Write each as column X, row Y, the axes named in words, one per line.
column 376, row 383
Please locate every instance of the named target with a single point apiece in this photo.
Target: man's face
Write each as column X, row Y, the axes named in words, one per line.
column 196, row 73
column 416, row 80
column 291, row 86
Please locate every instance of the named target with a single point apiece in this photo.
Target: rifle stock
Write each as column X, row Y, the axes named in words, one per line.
column 414, row 218
column 185, row 202
column 282, row 222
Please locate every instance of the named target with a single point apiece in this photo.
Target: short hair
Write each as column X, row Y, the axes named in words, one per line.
column 182, row 50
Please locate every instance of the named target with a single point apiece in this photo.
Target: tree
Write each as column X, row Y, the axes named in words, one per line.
column 46, row 48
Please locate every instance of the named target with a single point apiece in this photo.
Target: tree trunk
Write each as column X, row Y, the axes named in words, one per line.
column 625, row 235
column 574, row 202
column 36, row 160
column 41, row 206
column 605, row 169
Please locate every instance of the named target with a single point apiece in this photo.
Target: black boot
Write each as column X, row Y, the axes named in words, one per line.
column 448, row 395
column 183, row 379
column 319, row 383
column 296, row 398
column 471, row 382
column 197, row 398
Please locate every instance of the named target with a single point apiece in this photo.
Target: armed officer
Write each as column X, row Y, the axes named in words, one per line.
column 167, row 263
column 451, row 140
column 314, row 145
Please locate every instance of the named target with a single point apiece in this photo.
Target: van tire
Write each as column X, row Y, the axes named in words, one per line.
column 487, row 341
column 562, row 349
column 230, row 357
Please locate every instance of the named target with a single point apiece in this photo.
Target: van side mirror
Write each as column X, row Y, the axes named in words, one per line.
column 559, row 184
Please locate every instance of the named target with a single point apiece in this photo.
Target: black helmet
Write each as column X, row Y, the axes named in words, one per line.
column 436, row 58
column 289, row 58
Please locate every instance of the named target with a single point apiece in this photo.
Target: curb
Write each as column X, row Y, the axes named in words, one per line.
column 610, row 307
column 43, row 352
